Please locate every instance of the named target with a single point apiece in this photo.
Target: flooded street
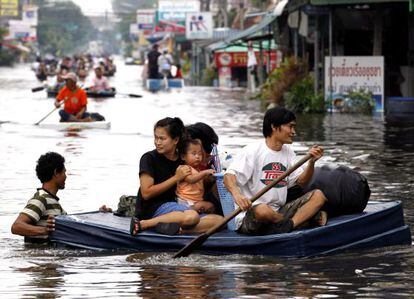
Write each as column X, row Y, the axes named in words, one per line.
column 102, row 165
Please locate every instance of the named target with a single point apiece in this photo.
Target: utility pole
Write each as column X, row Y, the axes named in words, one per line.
column 241, row 14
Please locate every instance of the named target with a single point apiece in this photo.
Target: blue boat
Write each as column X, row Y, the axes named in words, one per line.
column 155, row 85
column 380, row 224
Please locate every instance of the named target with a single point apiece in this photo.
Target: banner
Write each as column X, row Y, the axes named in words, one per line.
column 199, row 25
column 354, row 73
column 29, row 14
column 171, row 15
column 21, row 30
column 145, row 19
column 9, row 8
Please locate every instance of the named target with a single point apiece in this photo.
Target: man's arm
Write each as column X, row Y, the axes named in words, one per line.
column 317, row 152
column 230, row 181
column 24, row 226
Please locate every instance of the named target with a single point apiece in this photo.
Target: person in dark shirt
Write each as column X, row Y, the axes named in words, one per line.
column 160, row 171
column 152, row 57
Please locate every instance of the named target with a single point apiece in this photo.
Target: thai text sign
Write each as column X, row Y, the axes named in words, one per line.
column 355, row 73
column 9, row 8
column 199, row 25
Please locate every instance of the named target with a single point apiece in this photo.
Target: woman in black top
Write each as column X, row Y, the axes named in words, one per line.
column 160, row 171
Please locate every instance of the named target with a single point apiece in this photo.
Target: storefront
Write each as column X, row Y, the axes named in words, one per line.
column 232, row 64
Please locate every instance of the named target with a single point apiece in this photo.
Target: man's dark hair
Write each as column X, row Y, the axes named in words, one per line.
column 276, row 117
column 205, row 133
column 48, row 164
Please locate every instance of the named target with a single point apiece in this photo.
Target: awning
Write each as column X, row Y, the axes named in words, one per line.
column 337, row 2
column 256, row 29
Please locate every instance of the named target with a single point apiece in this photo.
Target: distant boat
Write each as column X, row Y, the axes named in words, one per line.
column 155, row 85
column 62, row 126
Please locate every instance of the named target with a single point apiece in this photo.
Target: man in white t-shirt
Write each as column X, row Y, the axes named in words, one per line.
column 260, row 163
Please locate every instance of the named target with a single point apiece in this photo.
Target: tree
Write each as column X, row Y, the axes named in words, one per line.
column 62, row 28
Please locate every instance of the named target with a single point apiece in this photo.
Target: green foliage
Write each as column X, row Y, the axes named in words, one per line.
column 359, row 101
column 302, row 99
column 282, row 79
column 63, row 29
column 208, row 76
column 7, row 57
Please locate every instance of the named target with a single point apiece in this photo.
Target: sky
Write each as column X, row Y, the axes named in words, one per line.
column 94, row 7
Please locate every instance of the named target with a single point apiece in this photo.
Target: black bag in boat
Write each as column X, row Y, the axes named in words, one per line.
column 347, row 190
column 97, row 117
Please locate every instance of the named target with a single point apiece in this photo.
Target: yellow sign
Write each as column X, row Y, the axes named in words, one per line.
column 9, row 8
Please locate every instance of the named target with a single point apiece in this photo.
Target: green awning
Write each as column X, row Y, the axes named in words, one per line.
column 242, row 47
column 337, row 2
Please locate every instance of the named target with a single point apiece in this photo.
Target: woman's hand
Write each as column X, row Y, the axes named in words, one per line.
column 182, row 171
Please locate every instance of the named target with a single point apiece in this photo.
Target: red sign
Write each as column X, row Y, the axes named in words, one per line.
column 239, row 59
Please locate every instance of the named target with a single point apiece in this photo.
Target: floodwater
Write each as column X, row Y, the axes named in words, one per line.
column 103, row 164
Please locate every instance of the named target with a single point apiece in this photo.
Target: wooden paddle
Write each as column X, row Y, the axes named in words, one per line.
column 132, row 95
column 36, row 89
column 197, row 242
column 56, row 108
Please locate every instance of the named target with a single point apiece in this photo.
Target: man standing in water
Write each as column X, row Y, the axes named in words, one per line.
column 36, row 221
column 260, row 163
column 152, row 57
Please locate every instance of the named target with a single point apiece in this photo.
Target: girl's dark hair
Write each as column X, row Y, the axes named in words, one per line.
column 187, row 141
column 48, row 164
column 276, row 117
column 174, row 127
column 205, row 133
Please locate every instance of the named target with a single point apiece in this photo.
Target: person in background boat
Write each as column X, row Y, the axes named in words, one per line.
column 66, row 64
column 260, row 163
column 74, row 99
column 160, row 171
column 165, row 62
column 152, row 58
column 41, row 72
column 100, row 82
column 60, row 82
column 190, row 191
column 36, row 221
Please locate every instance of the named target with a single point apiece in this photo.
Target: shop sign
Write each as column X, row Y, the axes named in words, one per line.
column 355, row 73
column 239, row 59
column 9, row 8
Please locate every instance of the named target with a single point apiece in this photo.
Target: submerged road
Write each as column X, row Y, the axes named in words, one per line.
column 102, row 165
